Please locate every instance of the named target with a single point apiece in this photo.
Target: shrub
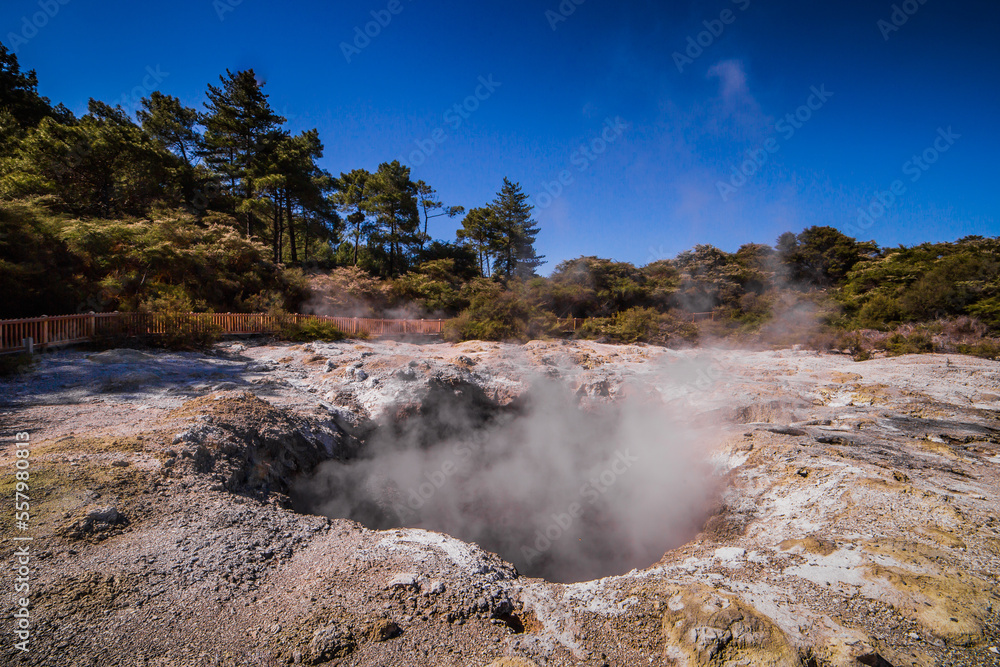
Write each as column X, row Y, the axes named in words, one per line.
column 640, row 325
column 495, row 313
column 312, row 329
column 637, row 325
column 915, row 343
column 185, row 339
column 988, row 348
column 880, row 312
column 183, row 331
column 347, row 291
column 434, row 286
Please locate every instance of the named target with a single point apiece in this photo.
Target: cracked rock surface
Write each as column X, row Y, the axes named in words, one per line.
column 857, row 524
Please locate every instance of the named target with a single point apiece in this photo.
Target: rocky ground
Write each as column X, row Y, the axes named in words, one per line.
column 855, row 521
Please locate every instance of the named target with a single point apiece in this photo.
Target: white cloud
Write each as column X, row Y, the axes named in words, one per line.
column 732, row 81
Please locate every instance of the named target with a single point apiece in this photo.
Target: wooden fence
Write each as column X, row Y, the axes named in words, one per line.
column 46, row 332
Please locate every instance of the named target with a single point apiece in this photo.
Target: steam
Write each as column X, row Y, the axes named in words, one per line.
column 564, row 492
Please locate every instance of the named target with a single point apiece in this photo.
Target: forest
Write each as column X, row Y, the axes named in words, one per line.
column 222, row 208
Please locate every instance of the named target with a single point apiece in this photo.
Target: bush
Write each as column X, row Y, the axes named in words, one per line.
column 312, row 329
column 347, row 291
column 899, row 344
column 495, row 313
column 640, row 325
column 987, row 349
column 53, row 264
column 962, row 335
column 637, row 325
column 434, row 286
column 189, row 339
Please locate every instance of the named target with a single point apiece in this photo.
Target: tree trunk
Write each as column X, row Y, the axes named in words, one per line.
column 291, row 227
column 275, row 234
column 424, row 202
column 305, row 234
column 392, row 245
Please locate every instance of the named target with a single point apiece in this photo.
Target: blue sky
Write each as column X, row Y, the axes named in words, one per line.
column 677, row 150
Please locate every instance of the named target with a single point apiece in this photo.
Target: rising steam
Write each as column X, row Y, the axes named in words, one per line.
column 564, row 492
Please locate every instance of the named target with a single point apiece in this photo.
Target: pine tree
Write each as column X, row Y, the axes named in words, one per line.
column 393, row 199
column 352, row 201
column 240, row 130
column 164, row 118
column 478, row 230
column 305, row 185
column 513, row 242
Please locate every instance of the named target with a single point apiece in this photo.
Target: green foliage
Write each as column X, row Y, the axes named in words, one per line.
column 347, row 291
column 898, row 344
column 478, row 231
column 821, row 256
column 180, row 332
column 311, row 330
column 103, row 165
column 637, row 324
column 986, row 349
column 169, row 122
column 392, row 199
column 179, row 210
column 66, row 265
column 40, row 273
column 594, row 287
column 640, row 325
column 512, row 237
column 436, row 286
column 19, row 97
column 709, row 278
column 500, row 314
column 925, row 282
column 987, row 310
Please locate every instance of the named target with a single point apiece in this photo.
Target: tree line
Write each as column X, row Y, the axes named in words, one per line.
column 235, row 157
column 221, row 208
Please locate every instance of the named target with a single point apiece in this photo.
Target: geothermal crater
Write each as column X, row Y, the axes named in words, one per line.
column 384, row 503
column 564, row 488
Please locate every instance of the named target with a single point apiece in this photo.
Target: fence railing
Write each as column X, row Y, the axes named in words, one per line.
column 44, row 332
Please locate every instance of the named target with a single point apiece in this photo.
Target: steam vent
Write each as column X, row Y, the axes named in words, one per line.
column 485, row 504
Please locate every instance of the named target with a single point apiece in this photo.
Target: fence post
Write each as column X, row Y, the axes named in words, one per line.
column 45, row 331
column 29, row 344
